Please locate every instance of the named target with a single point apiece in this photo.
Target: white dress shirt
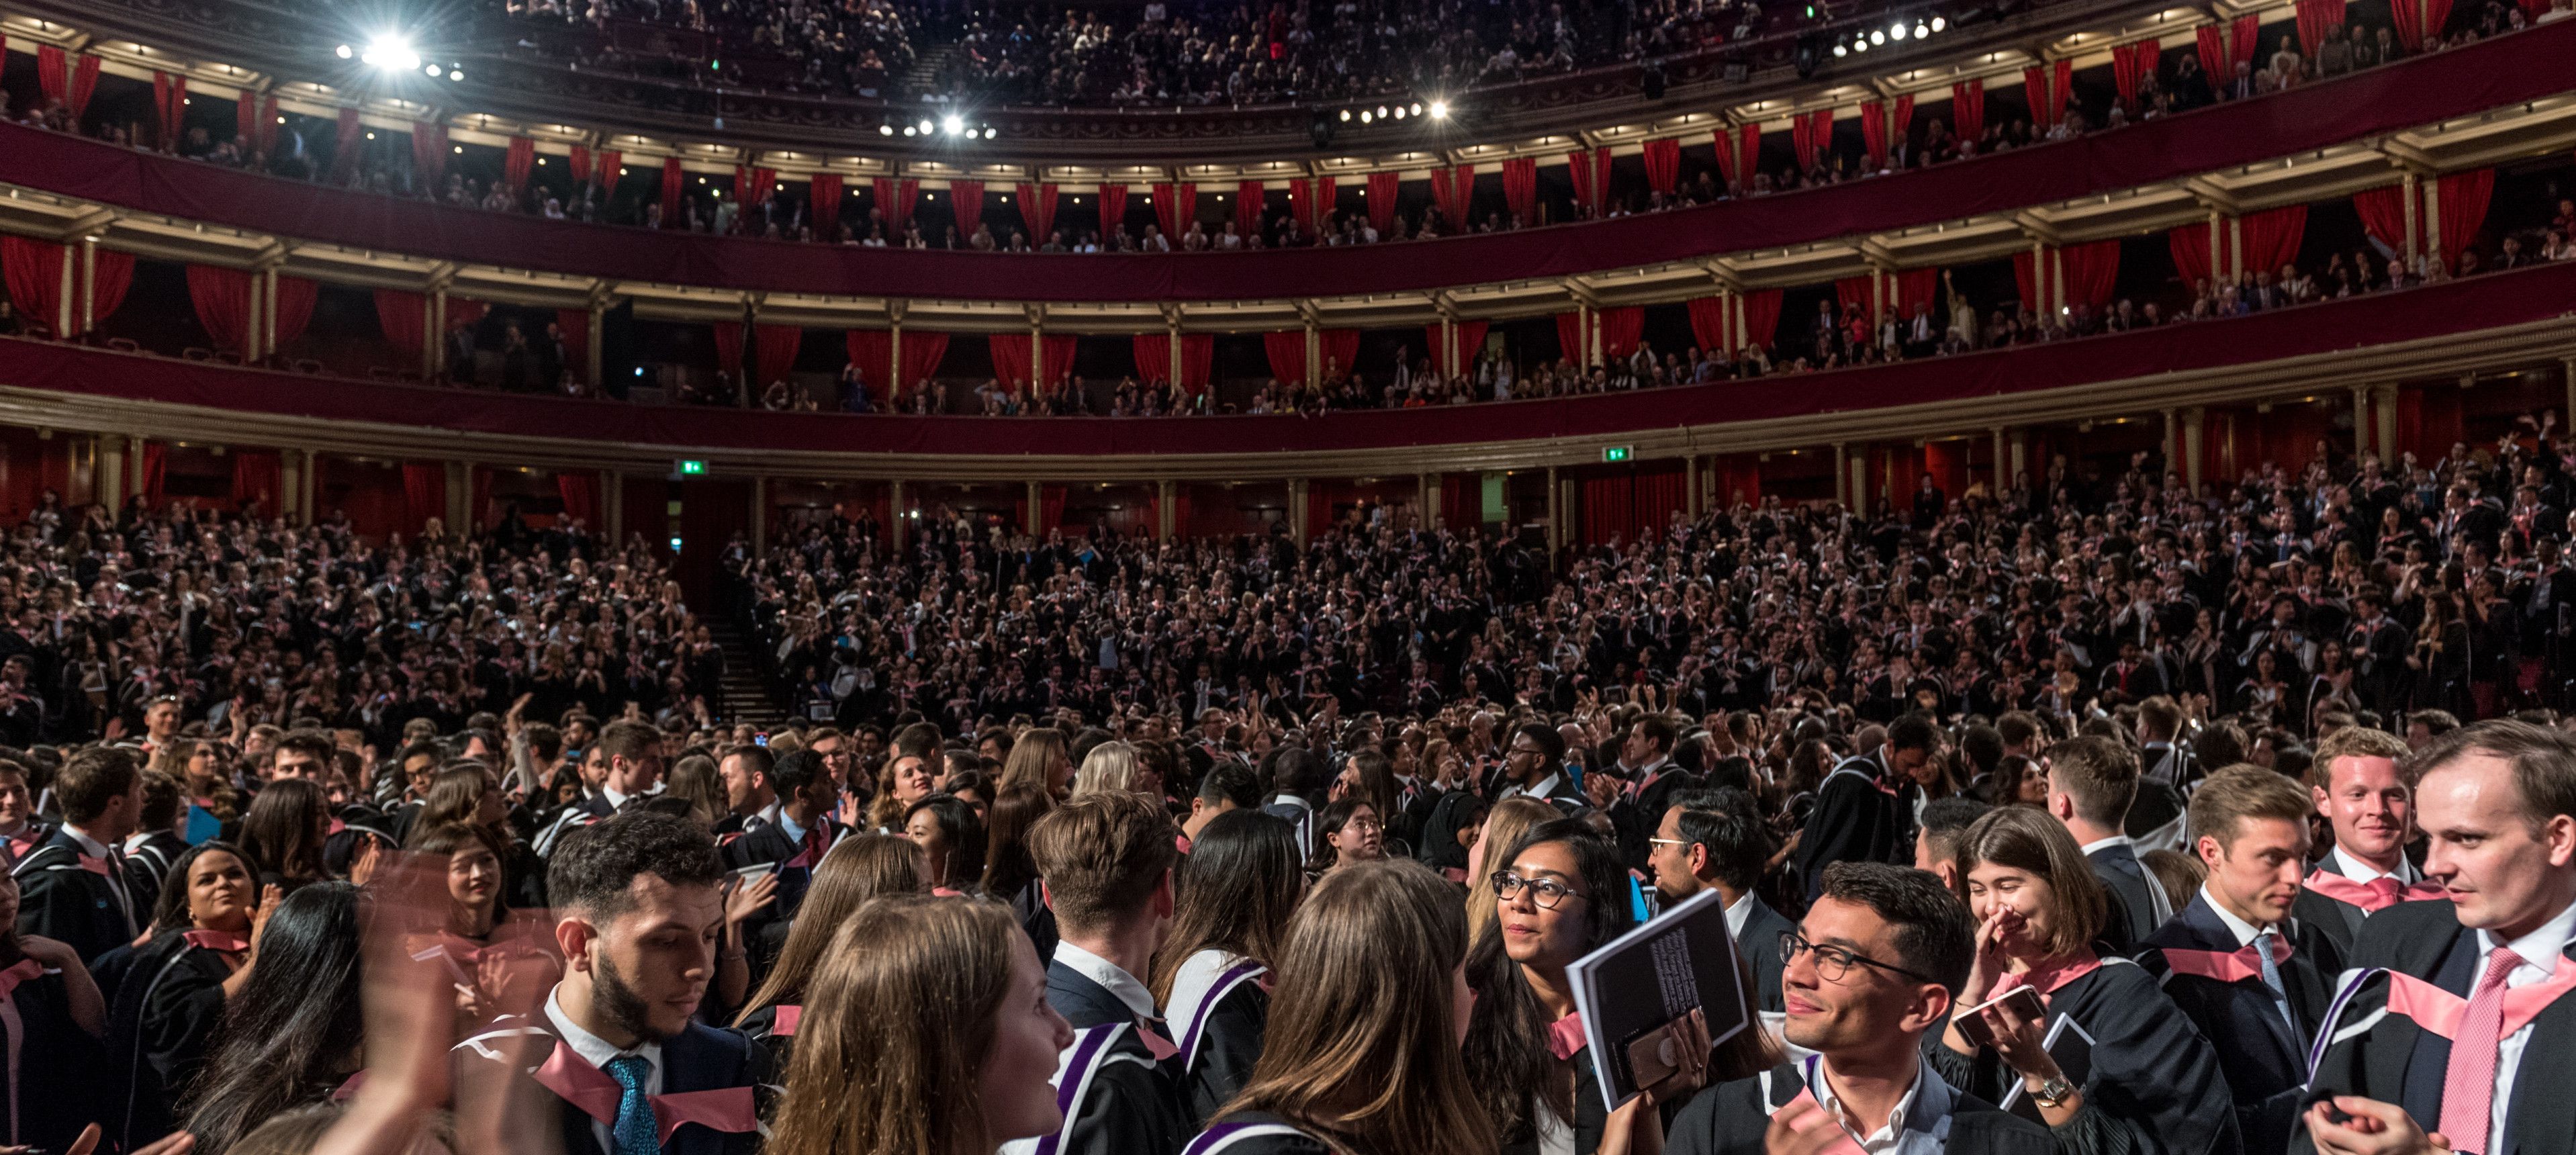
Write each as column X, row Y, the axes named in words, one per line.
column 1737, row 913
column 1919, row 1124
column 2243, row 930
column 2359, row 871
column 597, row 1052
column 2540, row 951
column 1110, row 976
column 1541, row 791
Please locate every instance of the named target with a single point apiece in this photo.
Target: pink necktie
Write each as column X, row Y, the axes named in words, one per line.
column 2468, row 1086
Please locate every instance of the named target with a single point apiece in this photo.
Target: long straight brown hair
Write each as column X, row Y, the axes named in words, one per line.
column 1362, row 1041
column 856, row 869
column 1237, row 890
column 889, row 1059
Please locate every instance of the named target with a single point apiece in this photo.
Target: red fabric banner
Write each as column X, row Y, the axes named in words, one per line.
column 222, row 297
column 579, row 489
column 1663, row 159
column 1113, row 211
column 966, row 203
column 1287, row 353
column 1520, row 188
column 776, row 350
column 1248, row 196
column 1037, row 211
column 2464, row 197
column 258, row 480
column 672, row 178
column 1381, row 193
column 429, row 157
column 518, row 162
column 424, row 493
column 823, row 205
column 1968, row 110
column 1900, row 120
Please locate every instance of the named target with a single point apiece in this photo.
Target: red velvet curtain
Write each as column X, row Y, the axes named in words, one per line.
column 1050, row 507
column 823, row 205
column 610, row 167
column 1968, row 109
column 1381, row 202
column 2414, row 25
column 1153, row 354
column 1748, row 151
column 1287, row 353
column 2383, row 211
column 671, row 181
column 1660, row 495
column 1471, row 337
column 429, row 156
column 966, row 201
column 1622, row 329
column 2214, row 60
column 111, row 276
column 1761, row 318
column 575, row 324
column 1520, row 187
column 222, row 297
column 1609, row 509
column 1853, row 293
column 1708, row 321
column 35, row 276
column 872, row 350
column 518, row 162
column 2128, row 63
column 729, row 341
column 2027, row 282
column 1037, row 211
column 1059, row 359
column 576, row 163
column 1915, row 287
column 295, row 297
column 1462, row 499
column 1663, row 165
column 1803, row 140
column 1198, row 361
column 2034, row 90
column 258, row 478
column 2190, row 246
column 2315, row 17
column 170, row 107
column 1011, row 353
column 2464, row 198
column 776, row 349
column 1448, row 188
column 2061, row 90
column 2242, row 39
column 1341, row 350
column 922, row 353
column 2272, row 237
column 424, row 493
column 1301, row 203
column 1569, row 339
column 1185, row 209
column 156, row 473
column 894, row 198
column 1873, row 133
column 85, row 82
column 2090, row 271
column 579, row 489
column 1166, row 199
column 348, row 141
column 403, row 319
column 1113, row 210
column 1578, row 168
column 462, row 312
column 1724, row 142
column 1247, row 205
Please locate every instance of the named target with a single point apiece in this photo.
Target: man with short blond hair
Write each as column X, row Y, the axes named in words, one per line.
column 1106, row 862
column 2355, row 784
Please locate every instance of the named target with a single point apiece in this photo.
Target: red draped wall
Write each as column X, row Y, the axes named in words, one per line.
column 1381, row 201
column 62, row 79
column 1915, row 287
column 1341, row 350
column 1448, row 188
column 1569, row 339
column 34, row 273
column 258, row 478
column 518, row 162
column 1622, row 329
column 1761, row 318
column 777, row 350
column 424, row 493
column 2383, row 214
column 1153, row 355
column 1198, row 361
column 2272, row 238
column 1854, row 293
column 579, row 489
column 1287, row 353
column 1873, row 133
column 1803, row 142
column 2315, row 17
column 1011, row 353
column 1037, row 211
column 1708, row 323
column 1059, row 358
column 295, row 297
column 872, row 350
column 222, row 297
column 1578, row 168
column 2464, row 198
column 1520, row 188
column 2090, row 271
column 1608, row 509
column 1663, row 159
column 1301, row 203
column 966, row 201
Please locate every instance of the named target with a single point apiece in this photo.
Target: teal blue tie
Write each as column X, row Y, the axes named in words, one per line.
column 2271, row 979
column 636, row 1131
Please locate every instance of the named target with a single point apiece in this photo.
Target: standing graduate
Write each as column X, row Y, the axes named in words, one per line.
column 2153, row 1086
column 2091, row 783
column 52, row 1035
column 72, row 886
column 613, row 1062
column 203, row 951
column 1860, row 813
column 1361, row 1052
column 2356, row 785
column 1562, row 894
column 2255, row 980
column 1871, row 972
column 1237, row 889
column 2461, row 1019
column 1107, row 859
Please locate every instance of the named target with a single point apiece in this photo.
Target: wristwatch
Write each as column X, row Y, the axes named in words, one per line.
column 2053, row 1092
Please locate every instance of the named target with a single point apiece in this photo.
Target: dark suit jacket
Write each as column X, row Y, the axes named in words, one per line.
column 699, row 1058
column 2334, row 918
column 1761, row 942
column 1730, row 1119
column 59, row 899
column 2395, row 1061
column 1134, row 1106
column 2119, row 869
column 2264, row 1062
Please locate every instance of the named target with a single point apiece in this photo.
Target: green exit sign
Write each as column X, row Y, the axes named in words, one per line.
column 692, row 468
column 1617, row 453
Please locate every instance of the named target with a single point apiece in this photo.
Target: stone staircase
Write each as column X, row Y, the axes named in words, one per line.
column 743, row 697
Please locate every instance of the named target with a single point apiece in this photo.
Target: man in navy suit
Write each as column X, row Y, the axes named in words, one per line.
column 1107, row 861
column 2497, row 801
column 616, row 1046
column 72, row 887
column 2254, row 980
column 2091, row 782
column 1714, row 840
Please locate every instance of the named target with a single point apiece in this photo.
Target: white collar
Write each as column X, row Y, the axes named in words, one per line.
column 1291, row 800
column 1539, row 791
column 2107, row 843
column 2359, row 871
column 1110, row 976
column 1651, row 768
column 1737, row 914
column 2543, row 946
column 594, row 1050
column 1925, row 1104
column 89, row 846
column 2243, row 930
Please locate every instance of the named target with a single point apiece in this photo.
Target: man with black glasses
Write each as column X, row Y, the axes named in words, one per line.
column 1874, row 966
column 1533, row 765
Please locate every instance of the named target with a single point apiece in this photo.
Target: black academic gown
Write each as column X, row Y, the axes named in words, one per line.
column 2393, row 1060
column 61, row 898
column 1134, row 1104
column 699, row 1058
column 2155, row 1078
column 1731, row 1118
column 1218, row 1060
column 2119, row 869
column 1590, row 1117
column 2338, row 920
column 1858, row 817
column 2263, row 1058
column 56, row 1092
column 159, row 1033
column 1260, row 1133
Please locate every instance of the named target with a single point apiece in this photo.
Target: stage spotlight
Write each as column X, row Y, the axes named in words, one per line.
column 990, row 132
column 1417, row 108
column 1439, row 110
column 1877, row 37
column 1896, row 31
column 1860, row 44
column 909, row 130
column 952, row 124
column 1399, row 112
column 1364, row 116
column 1842, row 50
column 1922, row 30
column 455, row 74
column 1381, row 112
column 926, row 127
column 885, row 130
column 344, row 52
column 391, row 53
column 1939, row 24
column 432, row 71
column 1346, row 114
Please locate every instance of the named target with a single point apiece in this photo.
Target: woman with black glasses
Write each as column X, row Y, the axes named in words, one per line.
column 2152, row 1084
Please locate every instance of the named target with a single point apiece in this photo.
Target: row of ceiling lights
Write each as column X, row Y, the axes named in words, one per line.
column 1921, row 29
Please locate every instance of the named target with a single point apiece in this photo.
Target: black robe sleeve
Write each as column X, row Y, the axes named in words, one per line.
column 1851, row 823
column 1132, row 1109
column 58, row 1069
column 2154, row 1088
column 1231, row 1046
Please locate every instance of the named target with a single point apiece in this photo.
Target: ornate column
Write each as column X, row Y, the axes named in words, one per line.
column 2195, row 421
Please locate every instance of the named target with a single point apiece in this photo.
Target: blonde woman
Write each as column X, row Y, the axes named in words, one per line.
column 1110, row 766
column 1039, row 759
